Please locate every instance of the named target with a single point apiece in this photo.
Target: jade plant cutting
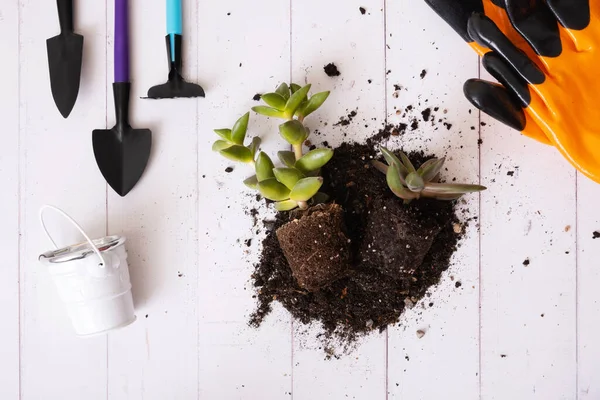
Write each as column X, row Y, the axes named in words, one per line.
column 409, row 183
column 314, row 241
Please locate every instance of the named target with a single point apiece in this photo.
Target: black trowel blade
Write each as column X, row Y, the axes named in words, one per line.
column 122, row 154
column 65, row 53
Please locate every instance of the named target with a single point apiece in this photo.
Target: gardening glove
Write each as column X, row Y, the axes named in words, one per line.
column 545, row 56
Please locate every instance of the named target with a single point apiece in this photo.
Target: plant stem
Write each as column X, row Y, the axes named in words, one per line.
column 297, row 151
column 303, row 205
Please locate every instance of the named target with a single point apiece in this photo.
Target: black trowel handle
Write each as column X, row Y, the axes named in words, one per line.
column 65, row 15
column 121, row 95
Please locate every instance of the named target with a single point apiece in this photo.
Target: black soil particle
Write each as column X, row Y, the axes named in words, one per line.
column 423, row 74
column 596, row 235
column 346, row 119
column 526, row 262
column 331, row 70
column 362, row 10
column 458, row 284
column 229, row 169
column 257, row 97
column 426, row 113
column 366, row 299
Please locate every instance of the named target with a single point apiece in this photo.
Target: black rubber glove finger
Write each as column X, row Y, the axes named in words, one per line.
column 508, row 77
column 572, row 14
column 494, row 100
column 534, row 20
column 485, row 32
column 456, row 13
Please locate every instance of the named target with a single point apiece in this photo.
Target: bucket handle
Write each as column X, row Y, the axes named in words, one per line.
column 75, row 224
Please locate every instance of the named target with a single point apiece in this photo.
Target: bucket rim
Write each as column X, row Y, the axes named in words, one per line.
column 81, row 250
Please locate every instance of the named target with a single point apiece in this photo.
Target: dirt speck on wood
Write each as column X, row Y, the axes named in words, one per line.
column 331, row 70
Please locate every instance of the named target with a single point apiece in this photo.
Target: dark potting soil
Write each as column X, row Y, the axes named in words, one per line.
column 331, row 70
column 366, row 299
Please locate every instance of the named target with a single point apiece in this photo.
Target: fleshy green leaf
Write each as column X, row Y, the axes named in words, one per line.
column 306, row 188
column 268, row 111
column 294, row 87
column 255, row 145
column 406, row 162
column 288, row 158
column 221, row 145
column 237, row 153
column 293, row 132
column 224, row 133
column 452, row 188
column 264, row 167
column 379, row 166
column 251, row 182
column 274, row 100
column 391, row 158
column 415, row 182
column 238, row 133
column 320, row 198
column 312, row 104
column 288, row 176
column 286, row 205
column 395, row 184
column 273, row 190
column 313, row 160
column 430, row 168
column 295, row 100
column 284, row 91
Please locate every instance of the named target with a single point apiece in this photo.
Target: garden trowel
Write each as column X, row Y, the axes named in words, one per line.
column 64, row 60
column 176, row 86
column 122, row 152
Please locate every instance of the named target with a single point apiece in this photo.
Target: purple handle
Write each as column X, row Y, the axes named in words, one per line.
column 121, row 41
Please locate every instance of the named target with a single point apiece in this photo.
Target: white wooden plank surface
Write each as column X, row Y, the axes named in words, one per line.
column 243, row 49
column 515, row 331
column 528, row 335
column 9, row 205
column 159, row 218
column 58, row 167
column 588, row 281
column 318, row 39
column 451, row 324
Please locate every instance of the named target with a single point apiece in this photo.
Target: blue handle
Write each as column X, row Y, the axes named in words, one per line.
column 174, row 22
column 174, row 17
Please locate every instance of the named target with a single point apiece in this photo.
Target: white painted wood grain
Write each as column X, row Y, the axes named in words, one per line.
column 58, row 167
column 588, row 281
column 418, row 40
column 528, row 336
column 324, row 32
column 157, row 357
column 9, row 204
column 243, row 49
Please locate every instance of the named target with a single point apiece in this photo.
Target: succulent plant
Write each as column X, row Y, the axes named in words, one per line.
column 297, row 182
column 410, row 183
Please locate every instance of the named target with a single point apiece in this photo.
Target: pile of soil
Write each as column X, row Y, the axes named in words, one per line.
column 373, row 294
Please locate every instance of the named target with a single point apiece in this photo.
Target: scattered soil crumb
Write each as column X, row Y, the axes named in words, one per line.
column 458, row 284
column 346, row 119
column 397, row 87
column 510, row 173
column 526, row 262
column 248, row 242
column 423, row 74
column 596, row 235
column 503, row 355
column 457, row 228
column 479, row 142
column 567, row 228
column 229, row 169
column 420, row 333
column 542, row 315
column 362, row 10
column 257, row 97
column 331, row 70
column 426, row 113
column 179, row 274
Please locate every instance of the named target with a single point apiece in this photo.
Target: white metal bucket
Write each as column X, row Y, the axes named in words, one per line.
column 93, row 281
